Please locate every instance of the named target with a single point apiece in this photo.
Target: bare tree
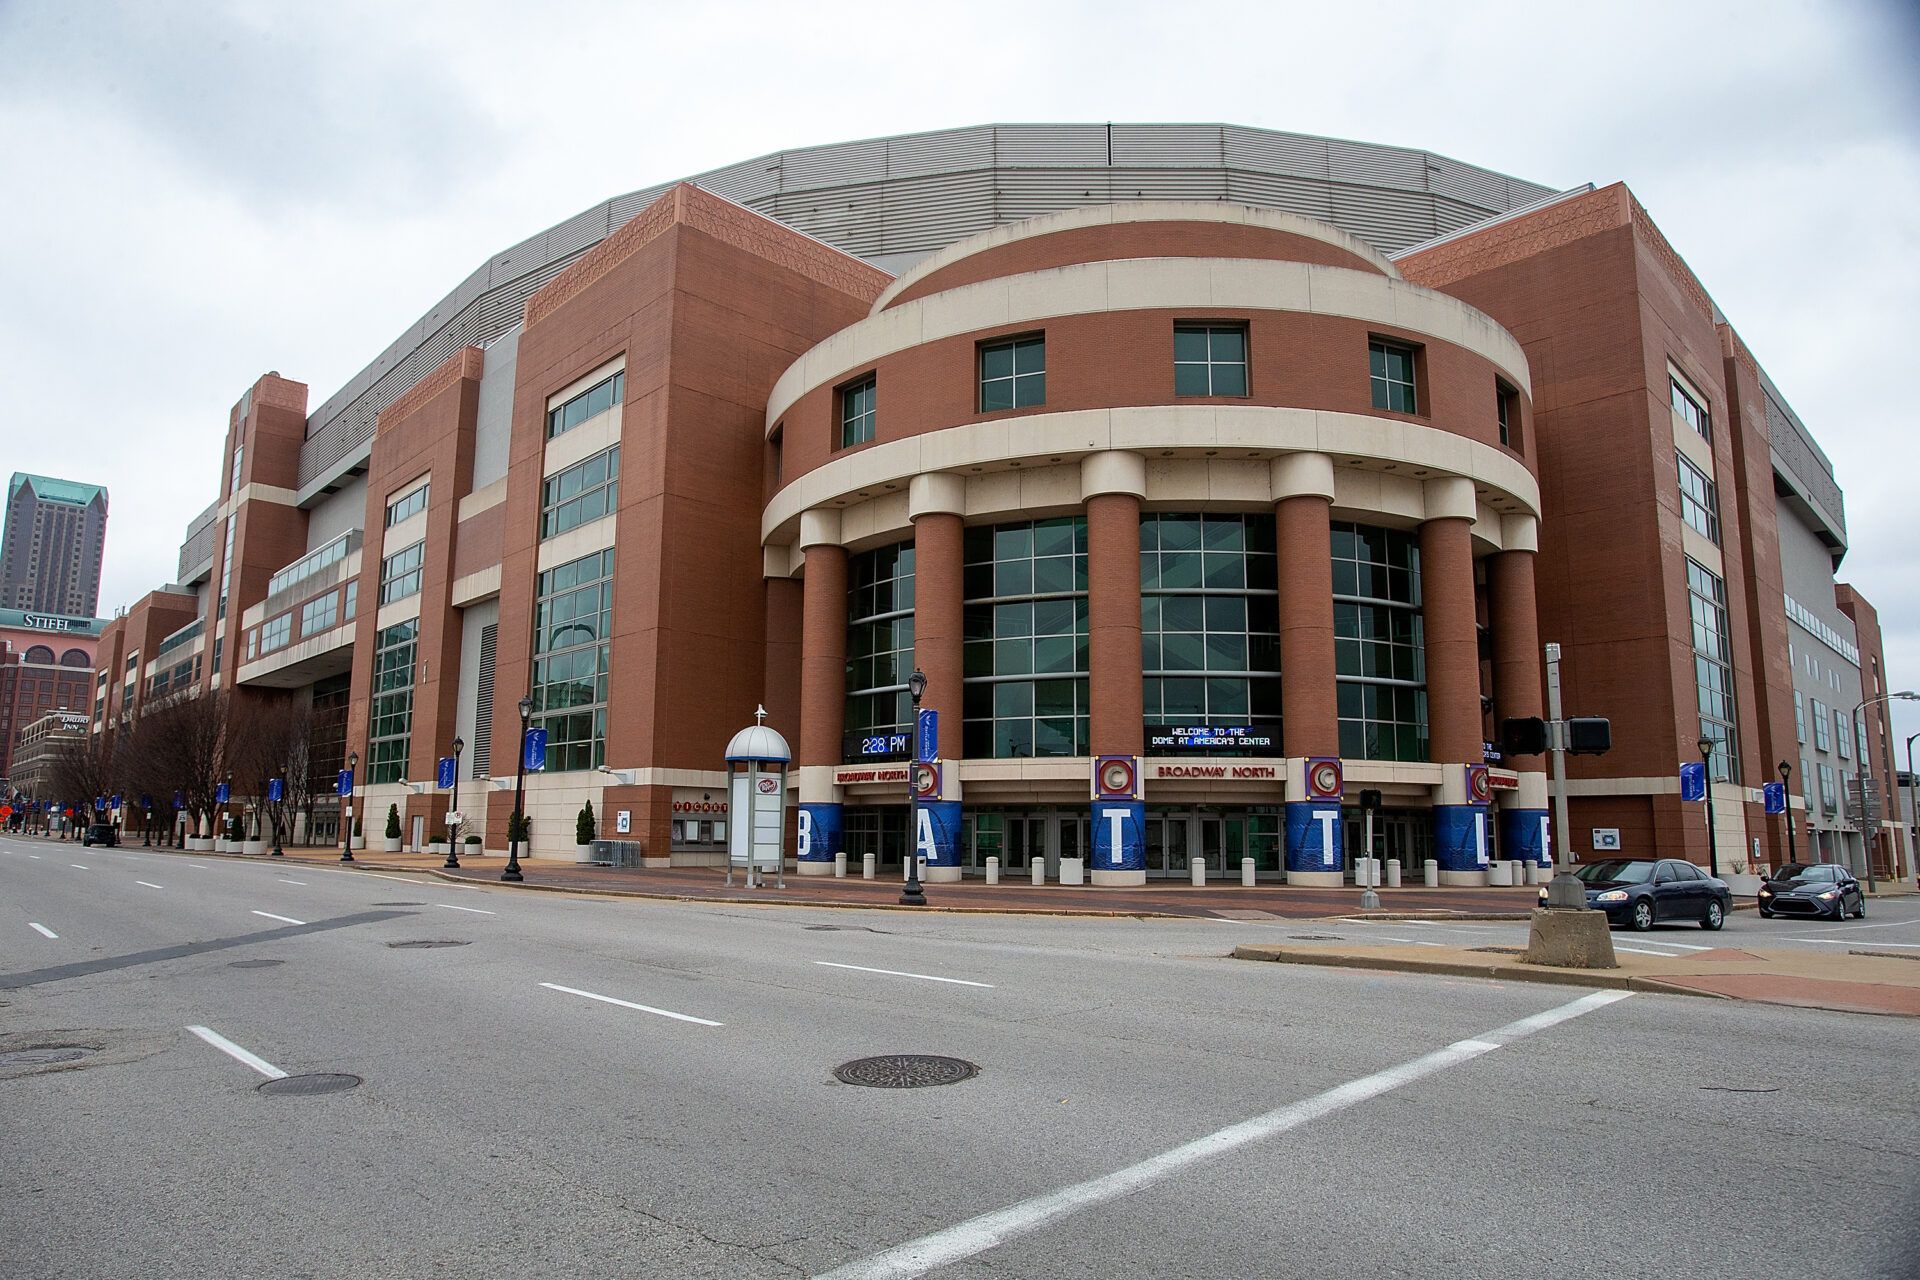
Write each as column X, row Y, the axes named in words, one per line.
column 83, row 772
column 269, row 739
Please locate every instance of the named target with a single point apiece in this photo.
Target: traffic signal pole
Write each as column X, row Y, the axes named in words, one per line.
column 1565, row 890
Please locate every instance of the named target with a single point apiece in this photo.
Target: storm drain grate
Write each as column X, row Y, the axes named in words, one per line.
column 905, row 1071
column 308, row 1085
column 45, row 1057
column 253, row 964
column 423, row 944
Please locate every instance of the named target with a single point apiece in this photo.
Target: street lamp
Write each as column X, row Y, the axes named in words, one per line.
column 518, row 822
column 914, row 896
column 453, row 832
column 1913, row 814
column 1713, row 847
column 1866, row 772
column 273, row 815
column 353, row 780
column 226, row 810
column 1785, row 770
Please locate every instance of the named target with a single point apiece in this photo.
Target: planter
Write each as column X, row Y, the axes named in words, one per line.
column 359, row 842
column 438, row 848
column 391, row 844
column 583, row 853
column 255, row 846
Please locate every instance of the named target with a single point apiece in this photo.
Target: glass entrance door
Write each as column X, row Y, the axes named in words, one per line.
column 1168, row 843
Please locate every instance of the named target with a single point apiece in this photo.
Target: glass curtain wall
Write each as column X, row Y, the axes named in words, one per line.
column 1209, row 620
column 573, row 617
column 879, row 652
column 392, row 712
column 1026, row 639
column 1379, row 643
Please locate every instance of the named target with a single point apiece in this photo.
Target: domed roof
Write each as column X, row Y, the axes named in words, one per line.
column 757, row 742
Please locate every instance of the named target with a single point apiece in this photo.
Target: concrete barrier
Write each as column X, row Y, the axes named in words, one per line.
column 1039, row 870
column 1073, row 871
column 1197, row 871
column 1246, row 872
column 1500, row 874
column 1431, row 873
column 840, row 865
column 866, row 866
column 993, row 871
column 1393, row 873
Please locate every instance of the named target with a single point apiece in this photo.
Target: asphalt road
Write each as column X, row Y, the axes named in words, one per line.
column 591, row 1087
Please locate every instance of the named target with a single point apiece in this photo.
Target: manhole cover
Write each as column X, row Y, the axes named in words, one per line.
column 1314, row 937
column 253, row 964
column 423, row 944
column 905, row 1071
column 304, row 1086
column 44, row 1057
column 399, row 904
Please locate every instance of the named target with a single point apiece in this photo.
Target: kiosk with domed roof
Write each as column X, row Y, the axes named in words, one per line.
column 757, row 760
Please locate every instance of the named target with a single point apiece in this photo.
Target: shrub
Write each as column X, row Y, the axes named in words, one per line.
column 473, row 840
column 358, row 832
column 583, row 826
column 393, row 822
column 517, row 828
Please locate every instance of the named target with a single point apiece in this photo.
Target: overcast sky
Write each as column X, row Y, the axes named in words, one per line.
column 196, row 194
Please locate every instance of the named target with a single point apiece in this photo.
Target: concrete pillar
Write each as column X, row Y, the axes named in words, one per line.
column 823, row 690
column 935, row 503
column 1112, row 485
column 1302, row 485
column 1452, row 640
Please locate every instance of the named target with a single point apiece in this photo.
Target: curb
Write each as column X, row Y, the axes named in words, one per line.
column 1452, row 969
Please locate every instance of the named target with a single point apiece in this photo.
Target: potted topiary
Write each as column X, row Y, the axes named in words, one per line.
column 253, row 841
column 473, row 846
column 359, row 837
column 518, row 832
column 393, row 828
column 583, row 834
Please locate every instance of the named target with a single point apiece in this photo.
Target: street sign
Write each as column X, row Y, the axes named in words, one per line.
column 535, row 754
column 927, row 735
column 220, row 793
column 445, row 777
column 276, row 791
column 1774, row 794
column 1693, row 780
column 343, row 783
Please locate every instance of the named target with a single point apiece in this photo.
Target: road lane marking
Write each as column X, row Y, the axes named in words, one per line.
column 238, row 1054
column 284, row 880
column 150, row 884
column 196, row 866
column 283, row 919
column 988, row 1230
column 896, row 973
column 77, row 867
column 1849, row 942
column 375, row 875
column 42, row 930
column 628, row 1004
column 476, row 910
column 1645, row 951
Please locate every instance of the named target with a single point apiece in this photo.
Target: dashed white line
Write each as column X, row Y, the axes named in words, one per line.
column 150, row 884
column 476, row 910
column 284, row 919
column 896, row 973
column 628, row 1004
column 196, row 866
column 988, row 1230
column 1645, row 951
column 34, row 856
column 77, row 867
column 42, row 930
column 238, row 1054
column 284, row 880
column 1854, row 942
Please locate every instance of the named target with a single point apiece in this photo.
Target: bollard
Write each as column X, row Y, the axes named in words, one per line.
column 1500, row 874
column 1519, row 872
column 1197, row 871
column 1393, row 873
column 1432, row 874
column 840, row 865
column 866, row 866
column 1246, row 872
column 993, row 871
column 1039, row 870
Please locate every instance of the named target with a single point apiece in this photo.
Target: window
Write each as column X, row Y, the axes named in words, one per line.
column 1508, row 408
column 1828, row 800
column 1392, row 368
column 1691, row 409
column 879, row 652
column 1013, row 375
column 390, row 727
column 591, row 403
column 318, row 615
column 1822, row 734
column 1210, row 360
column 1860, row 730
column 233, row 479
column 857, row 400
column 572, row 619
column 1699, row 501
column 1379, row 643
column 406, row 505
column 1026, row 639
column 276, row 632
column 1713, row 672
column 583, row 493
column 400, row 573
column 353, row 600
column 1799, row 716
column 1842, row 735
column 1210, row 621
column 311, row 563
column 226, row 571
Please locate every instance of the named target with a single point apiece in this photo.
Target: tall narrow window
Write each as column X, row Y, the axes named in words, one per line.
column 1379, row 643
column 573, row 617
column 857, row 401
column 1507, row 406
column 879, row 652
column 1713, row 671
column 1391, row 365
column 1210, row 624
column 1699, row 501
column 400, row 573
column 1688, row 407
column 1210, row 360
column 390, row 727
column 1026, row 639
column 1013, row 374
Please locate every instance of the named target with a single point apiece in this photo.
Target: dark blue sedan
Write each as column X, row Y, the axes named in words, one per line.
column 1643, row 894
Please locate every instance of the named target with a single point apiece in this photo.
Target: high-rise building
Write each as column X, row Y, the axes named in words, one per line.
column 50, row 558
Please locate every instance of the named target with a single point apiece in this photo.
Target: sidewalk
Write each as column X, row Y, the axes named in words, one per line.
column 1224, row 901
column 1859, row 980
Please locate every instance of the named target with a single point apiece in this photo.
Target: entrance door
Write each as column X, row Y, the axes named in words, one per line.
column 1168, row 842
column 1070, row 841
column 1026, row 839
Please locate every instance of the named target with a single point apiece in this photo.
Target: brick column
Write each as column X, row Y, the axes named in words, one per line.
column 1460, row 835
column 1112, row 485
column 936, row 502
column 823, row 688
column 1303, row 495
column 1517, row 686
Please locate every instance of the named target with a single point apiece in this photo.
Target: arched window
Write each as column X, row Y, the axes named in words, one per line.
column 41, row 654
column 75, row 658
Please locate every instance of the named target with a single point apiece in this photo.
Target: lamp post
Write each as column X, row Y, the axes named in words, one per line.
column 1866, row 772
column 453, row 832
column 146, row 829
column 353, row 780
column 1785, row 770
column 1713, row 846
column 1913, row 814
column 518, row 822
column 274, row 814
column 914, row 896
column 226, row 810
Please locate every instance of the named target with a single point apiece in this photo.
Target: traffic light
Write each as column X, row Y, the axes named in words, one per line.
column 1369, row 799
column 1589, row 736
column 1523, row 736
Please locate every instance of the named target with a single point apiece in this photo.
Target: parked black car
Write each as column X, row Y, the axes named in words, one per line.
column 1812, row 889
column 1642, row 894
column 100, row 833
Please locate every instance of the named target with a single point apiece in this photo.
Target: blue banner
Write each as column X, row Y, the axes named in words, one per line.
column 220, row 793
column 1775, row 796
column 1693, row 780
column 179, row 799
column 445, row 776
column 937, row 838
column 1119, row 836
column 343, row 783
column 276, row 791
column 820, row 832
column 1524, row 836
column 534, row 750
column 927, row 735
column 1460, row 837
column 1313, row 836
